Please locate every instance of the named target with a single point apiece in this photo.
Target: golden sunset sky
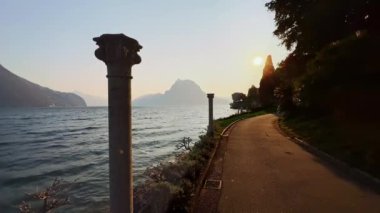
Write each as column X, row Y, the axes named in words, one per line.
column 213, row 43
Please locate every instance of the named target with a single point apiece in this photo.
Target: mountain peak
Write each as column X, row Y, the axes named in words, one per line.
column 185, row 87
column 182, row 92
column 185, row 82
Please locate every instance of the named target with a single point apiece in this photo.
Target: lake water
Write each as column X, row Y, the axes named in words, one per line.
column 38, row 145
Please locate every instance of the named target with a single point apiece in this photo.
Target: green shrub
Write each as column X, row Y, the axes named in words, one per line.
column 169, row 185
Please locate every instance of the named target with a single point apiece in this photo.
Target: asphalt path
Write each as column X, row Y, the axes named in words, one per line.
column 264, row 171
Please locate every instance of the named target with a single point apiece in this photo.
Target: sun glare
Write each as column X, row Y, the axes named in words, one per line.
column 257, row 61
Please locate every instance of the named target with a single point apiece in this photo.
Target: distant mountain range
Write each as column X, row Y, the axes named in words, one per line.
column 182, row 92
column 92, row 100
column 19, row 92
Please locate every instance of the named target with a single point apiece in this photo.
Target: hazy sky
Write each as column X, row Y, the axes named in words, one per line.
column 211, row 42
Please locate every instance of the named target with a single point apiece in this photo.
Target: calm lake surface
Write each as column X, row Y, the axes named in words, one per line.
column 38, row 145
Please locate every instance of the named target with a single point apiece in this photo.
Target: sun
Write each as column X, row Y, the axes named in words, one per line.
column 257, row 61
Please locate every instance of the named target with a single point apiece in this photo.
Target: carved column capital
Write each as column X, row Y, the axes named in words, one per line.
column 117, row 49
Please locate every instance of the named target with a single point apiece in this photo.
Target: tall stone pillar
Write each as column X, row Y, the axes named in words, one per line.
column 210, row 130
column 119, row 53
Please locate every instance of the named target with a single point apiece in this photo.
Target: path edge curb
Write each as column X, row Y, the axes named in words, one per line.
column 211, row 159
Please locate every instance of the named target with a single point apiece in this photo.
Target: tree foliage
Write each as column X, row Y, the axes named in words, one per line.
column 253, row 98
column 343, row 78
column 248, row 102
column 312, row 30
column 309, row 25
column 238, row 101
column 267, row 83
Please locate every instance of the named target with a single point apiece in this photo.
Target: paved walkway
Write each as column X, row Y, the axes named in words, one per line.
column 263, row 171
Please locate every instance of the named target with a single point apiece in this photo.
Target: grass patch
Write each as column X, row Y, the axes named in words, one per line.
column 353, row 142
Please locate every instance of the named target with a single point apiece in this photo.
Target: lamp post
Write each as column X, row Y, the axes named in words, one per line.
column 119, row 53
column 210, row 129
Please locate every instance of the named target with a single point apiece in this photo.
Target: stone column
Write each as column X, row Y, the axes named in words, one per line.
column 210, row 130
column 119, row 53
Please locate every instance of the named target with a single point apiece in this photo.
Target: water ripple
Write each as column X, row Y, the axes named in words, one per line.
column 40, row 144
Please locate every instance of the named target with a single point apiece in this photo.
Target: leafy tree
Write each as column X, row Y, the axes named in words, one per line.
column 309, row 25
column 238, row 101
column 246, row 102
column 287, row 89
column 253, row 98
column 306, row 27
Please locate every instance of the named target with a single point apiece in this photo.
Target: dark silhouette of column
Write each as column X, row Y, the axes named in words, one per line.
column 210, row 130
column 119, row 53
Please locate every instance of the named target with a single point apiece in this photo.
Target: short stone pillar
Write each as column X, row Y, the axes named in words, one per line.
column 119, row 53
column 210, row 129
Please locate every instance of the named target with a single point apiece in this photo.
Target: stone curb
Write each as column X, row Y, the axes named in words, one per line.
column 206, row 171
